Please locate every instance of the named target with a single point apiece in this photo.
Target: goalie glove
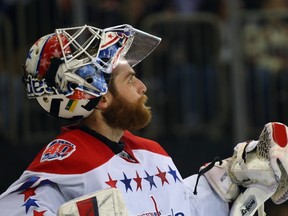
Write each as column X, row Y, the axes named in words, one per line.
column 107, row 202
column 216, row 174
column 274, row 148
column 259, row 166
column 249, row 170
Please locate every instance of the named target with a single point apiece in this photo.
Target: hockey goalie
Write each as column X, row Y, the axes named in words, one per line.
column 97, row 166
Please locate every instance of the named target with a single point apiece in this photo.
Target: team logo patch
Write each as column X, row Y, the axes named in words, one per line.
column 58, row 150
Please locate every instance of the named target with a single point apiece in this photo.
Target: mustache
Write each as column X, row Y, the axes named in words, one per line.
column 143, row 99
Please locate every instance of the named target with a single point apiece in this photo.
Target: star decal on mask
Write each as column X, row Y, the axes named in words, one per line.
column 150, row 180
column 162, row 176
column 111, row 183
column 174, row 174
column 127, row 182
column 56, row 53
column 138, row 181
column 29, row 54
column 29, row 203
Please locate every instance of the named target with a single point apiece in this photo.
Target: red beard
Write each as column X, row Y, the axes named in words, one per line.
column 126, row 115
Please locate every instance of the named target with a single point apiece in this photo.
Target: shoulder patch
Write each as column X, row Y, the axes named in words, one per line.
column 58, row 150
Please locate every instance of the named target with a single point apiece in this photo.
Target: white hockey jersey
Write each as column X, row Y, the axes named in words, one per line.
column 80, row 161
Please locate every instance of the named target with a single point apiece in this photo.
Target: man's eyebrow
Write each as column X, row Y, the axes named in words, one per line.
column 130, row 73
column 125, row 74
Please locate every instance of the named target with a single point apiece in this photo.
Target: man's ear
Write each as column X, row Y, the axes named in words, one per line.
column 104, row 101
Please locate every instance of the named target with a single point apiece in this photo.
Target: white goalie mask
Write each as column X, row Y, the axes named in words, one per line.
column 66, row 71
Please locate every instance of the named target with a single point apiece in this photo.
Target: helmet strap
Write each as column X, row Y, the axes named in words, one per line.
column 92, row 103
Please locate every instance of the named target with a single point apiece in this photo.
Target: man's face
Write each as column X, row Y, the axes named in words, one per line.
column 127, row 110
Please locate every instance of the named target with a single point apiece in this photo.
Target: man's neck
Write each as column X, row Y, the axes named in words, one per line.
column 95, row 122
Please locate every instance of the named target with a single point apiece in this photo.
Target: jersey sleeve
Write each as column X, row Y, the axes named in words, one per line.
column 56, row 175
column 206, row 202
column 27, row 199
column 38, row 193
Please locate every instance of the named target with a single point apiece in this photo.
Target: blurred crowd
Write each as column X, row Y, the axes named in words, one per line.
column 104, row 13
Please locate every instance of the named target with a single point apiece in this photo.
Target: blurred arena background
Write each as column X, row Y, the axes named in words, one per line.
column 219, row 75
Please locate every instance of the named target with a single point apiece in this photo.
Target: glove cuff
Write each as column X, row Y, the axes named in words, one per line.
column 220, row 181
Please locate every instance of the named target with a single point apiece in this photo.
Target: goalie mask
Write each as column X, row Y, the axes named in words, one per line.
column 67, row 71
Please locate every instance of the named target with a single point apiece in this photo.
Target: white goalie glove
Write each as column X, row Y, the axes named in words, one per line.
column 258, row 166
column 107, row 202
